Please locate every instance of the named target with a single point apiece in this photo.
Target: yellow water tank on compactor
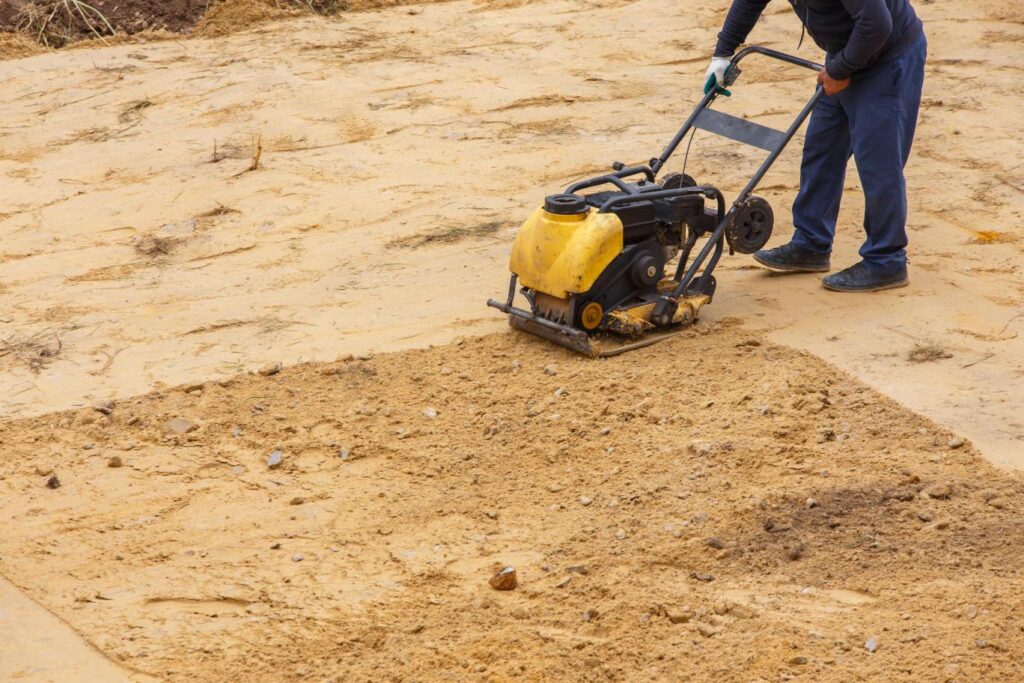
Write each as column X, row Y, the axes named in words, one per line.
column 562, row 254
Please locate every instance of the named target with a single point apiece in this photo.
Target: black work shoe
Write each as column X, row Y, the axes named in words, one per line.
column 860, row 278
column 790, row 258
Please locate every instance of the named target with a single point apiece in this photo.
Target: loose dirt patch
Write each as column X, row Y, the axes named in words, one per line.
column 712, row 508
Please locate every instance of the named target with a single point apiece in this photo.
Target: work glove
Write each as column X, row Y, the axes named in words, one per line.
column 715, row 76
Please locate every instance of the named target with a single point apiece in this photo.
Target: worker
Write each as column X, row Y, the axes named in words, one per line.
column 873, row 75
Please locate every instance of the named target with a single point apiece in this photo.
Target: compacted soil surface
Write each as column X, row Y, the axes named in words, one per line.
column 715, row 507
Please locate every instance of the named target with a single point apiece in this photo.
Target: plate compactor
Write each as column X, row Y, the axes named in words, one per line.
column 594, row 267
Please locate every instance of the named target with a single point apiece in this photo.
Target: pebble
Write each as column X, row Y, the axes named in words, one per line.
column 105, row 407
column 940, row 491
column 702, row 577
column 297, row 500
column 43, row 470
column 795, row 552
column 550, row 369
column 430, row 412
column 605, row 431
column 799, row 660
column 871, row 645
column 715, row 543
column 564, row 582
column 297, row 557
column 578, row 569
column 811, row 503
column 924, row 516
column 621, row 534
column 180, row 425
column 53, row 482
column 504, row 579
column 679, row 616
column 585, row 501
column 115, row 461
column 274, row 459
column 270, row 369
column 997, row 503
column 491, row 514
column 590, row 615
column 956, row 442
column 706, row 630
column 554, row 488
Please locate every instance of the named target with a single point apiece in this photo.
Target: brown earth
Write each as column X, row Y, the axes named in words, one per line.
column 56, row 23
column 665, row 521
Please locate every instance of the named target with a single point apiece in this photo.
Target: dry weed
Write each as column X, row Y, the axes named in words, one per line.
column 55, row 23
column 927, row 353
column 35, row 351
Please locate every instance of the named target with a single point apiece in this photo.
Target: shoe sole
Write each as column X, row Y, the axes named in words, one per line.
column 784, row 268
column 875, row 288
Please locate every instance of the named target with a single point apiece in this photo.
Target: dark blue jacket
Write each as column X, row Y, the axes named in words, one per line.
column 855, row 34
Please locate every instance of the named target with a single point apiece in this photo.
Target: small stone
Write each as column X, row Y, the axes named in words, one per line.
column 679, row 616
column 590, row 615
column 297, row 500
column 564, row 582
column 430, row 412
column 700, row 576
column 297, row 557
column 833, row 523
column 924, row 516
column 180, row 425
column 491, row 514
column 417, row 629
column 344, row 454
column 811, row 503
column 554, row 488
column 104, row 407
column 53, row 482
column 998, row 503
column 578, row 569
column 446, row 370
column 43, row 470
column 605, row 431
column 706, row 630
column 274, row 459
column 115, row 461
column 585, row 501
column 795, row 552
column 504, row 579
column 621, row 534
column 270, row 369
column 956, row 442
column 276, row 546
column 971, row 612
column 940, row 491
column 715, row 543
column 550, row 369
column 799, row 660
column 871, row 645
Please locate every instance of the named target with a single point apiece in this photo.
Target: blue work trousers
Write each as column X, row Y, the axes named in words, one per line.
column 873, row 120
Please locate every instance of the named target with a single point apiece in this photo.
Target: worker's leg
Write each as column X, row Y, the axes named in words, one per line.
column 822, row 174
column 882, row 105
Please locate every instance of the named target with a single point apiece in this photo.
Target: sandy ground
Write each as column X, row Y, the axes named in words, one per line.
column 398, row 151
column 665, row 521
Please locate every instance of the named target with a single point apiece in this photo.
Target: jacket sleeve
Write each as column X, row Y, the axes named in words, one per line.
column 872, row 24
column 738, row 23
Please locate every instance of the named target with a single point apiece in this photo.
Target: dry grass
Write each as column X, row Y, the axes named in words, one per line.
column 55, row 23
column 927, row 353
column 35, row 351
column 152, row 247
